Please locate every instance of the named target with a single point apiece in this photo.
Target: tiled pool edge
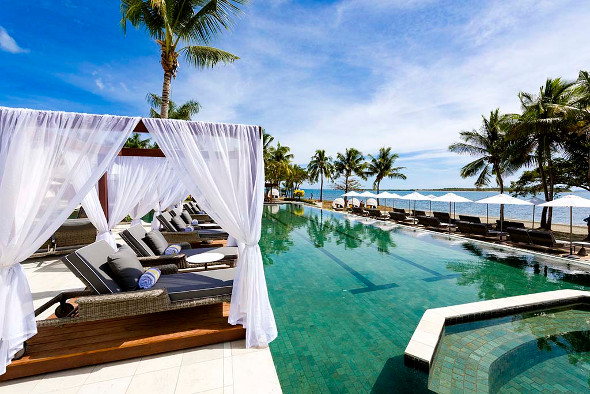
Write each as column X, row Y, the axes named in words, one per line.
column 422, row 347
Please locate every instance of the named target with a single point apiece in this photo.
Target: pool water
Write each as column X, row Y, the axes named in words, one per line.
column 546, row 351
column 347, row 294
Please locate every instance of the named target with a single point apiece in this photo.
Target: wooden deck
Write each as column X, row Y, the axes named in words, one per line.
column 76, row 345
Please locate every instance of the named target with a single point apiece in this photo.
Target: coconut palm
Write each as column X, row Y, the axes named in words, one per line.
column 348, row 164
column 134, row 141
column 182, row 28
column 382, row 166
column 493, row 150
column 279, row 159
column 320, row 166
column 540, row 129
column 182, row 112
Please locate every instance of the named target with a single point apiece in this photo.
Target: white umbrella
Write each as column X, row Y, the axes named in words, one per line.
column 387, row 195
column 430, row 198
column 535, row 201
column 367, row 194
column 351, row 194
column 414, row 196
column 503, row 199
column 568, row 201
column 451, row 198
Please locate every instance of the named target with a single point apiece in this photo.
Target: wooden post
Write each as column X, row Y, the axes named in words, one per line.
column 103, row 195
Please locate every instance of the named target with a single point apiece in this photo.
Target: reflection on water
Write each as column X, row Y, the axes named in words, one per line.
column 278, row 224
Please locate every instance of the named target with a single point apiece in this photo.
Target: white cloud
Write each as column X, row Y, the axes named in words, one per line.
column 8, row 44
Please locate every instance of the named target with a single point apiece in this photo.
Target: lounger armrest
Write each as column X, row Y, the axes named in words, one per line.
column 152, row 261
column 167, row 269
column 185, row 245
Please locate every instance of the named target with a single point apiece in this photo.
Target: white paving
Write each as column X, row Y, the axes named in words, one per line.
column 222, row 368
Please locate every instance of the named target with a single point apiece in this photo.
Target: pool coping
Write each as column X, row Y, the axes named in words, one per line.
column 422, row 347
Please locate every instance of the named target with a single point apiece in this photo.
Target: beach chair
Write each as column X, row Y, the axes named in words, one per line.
column 518, row 235
column 377, row 214
column 418, row 213
column 443, row 217
column 399, row 210
column 507, row 224
column 105, row 298
column 398, row 216
column 137, row 238
column 546, row 238
column 174, row 231
column 483, row 230
column 188, row 219
column 470, row 219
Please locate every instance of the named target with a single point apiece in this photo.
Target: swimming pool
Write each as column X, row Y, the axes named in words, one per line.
column 347, row 295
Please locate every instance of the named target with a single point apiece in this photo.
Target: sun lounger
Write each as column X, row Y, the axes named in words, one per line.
column 187, row 218
column 432, row 222
column 399, row 210
column 360, row 211
column 545, row 238
column 518, row 235
column 470, row 219
column 201, row 217
column 135, row 237
column 418, row 213
column 443, row 217
column 375, row 213
column 105, row 299
column 480, row 229
column 398, row 216
column 175, row 233
column 507, row 224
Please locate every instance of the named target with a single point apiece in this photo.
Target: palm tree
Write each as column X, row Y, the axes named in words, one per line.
column 381, row 167
column 349, row 164
column 539, row 130
column 320, row 166
column 136, row 142
column 279, row 160
column 182, row 28
column 493, row 149
column 182, row 112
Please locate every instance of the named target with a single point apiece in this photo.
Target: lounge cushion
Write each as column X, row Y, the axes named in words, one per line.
column 156, row 241
column 178, row 223
column 134, row 236
column 192, row 285
column 126, row 268
column 186, row 217
column 91, row 266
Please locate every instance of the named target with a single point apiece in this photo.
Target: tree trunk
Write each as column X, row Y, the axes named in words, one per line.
column 321, row 187
column 378, row 184
column 165, row 94
column 501, row 184
column 346, row 191
column 551, row 189
column 545, row 189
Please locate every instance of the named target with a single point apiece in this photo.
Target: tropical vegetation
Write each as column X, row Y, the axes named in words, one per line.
column 548, row 142
column 382, row 166
column 320, row 167
column 349, row 164
column 184, row 111
column 183, row 29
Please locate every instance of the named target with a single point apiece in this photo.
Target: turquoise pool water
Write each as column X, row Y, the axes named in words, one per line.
column 347, row 295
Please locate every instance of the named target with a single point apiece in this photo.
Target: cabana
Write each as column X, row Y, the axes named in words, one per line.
column 52, row 161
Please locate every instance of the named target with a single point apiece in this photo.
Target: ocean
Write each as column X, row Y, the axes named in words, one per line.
column 560, row 215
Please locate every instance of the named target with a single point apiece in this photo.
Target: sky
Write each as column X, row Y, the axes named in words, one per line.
column 315, row 74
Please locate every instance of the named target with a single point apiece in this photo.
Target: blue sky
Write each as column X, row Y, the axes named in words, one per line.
column 316, row 74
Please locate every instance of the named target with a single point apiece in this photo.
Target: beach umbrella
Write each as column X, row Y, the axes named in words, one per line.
column 568, row 201
column 388, row 195
column 451, row 198
column 430, row 198
column 414, row 196
column 535, row 201
column 366, row 195
column 503, row 199
column 351, row 194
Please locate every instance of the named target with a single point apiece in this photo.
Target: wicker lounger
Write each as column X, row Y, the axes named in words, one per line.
column 172, row 291
column 173, row 235
column 135, row 235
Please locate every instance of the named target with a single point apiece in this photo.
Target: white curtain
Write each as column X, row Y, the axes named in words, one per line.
column 170, row 190
column 149, row 197
column 128, row 179
column 222, row 165
column 39, row 189
column 94, row 211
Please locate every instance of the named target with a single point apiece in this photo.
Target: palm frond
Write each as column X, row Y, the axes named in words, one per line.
column 204, row 57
